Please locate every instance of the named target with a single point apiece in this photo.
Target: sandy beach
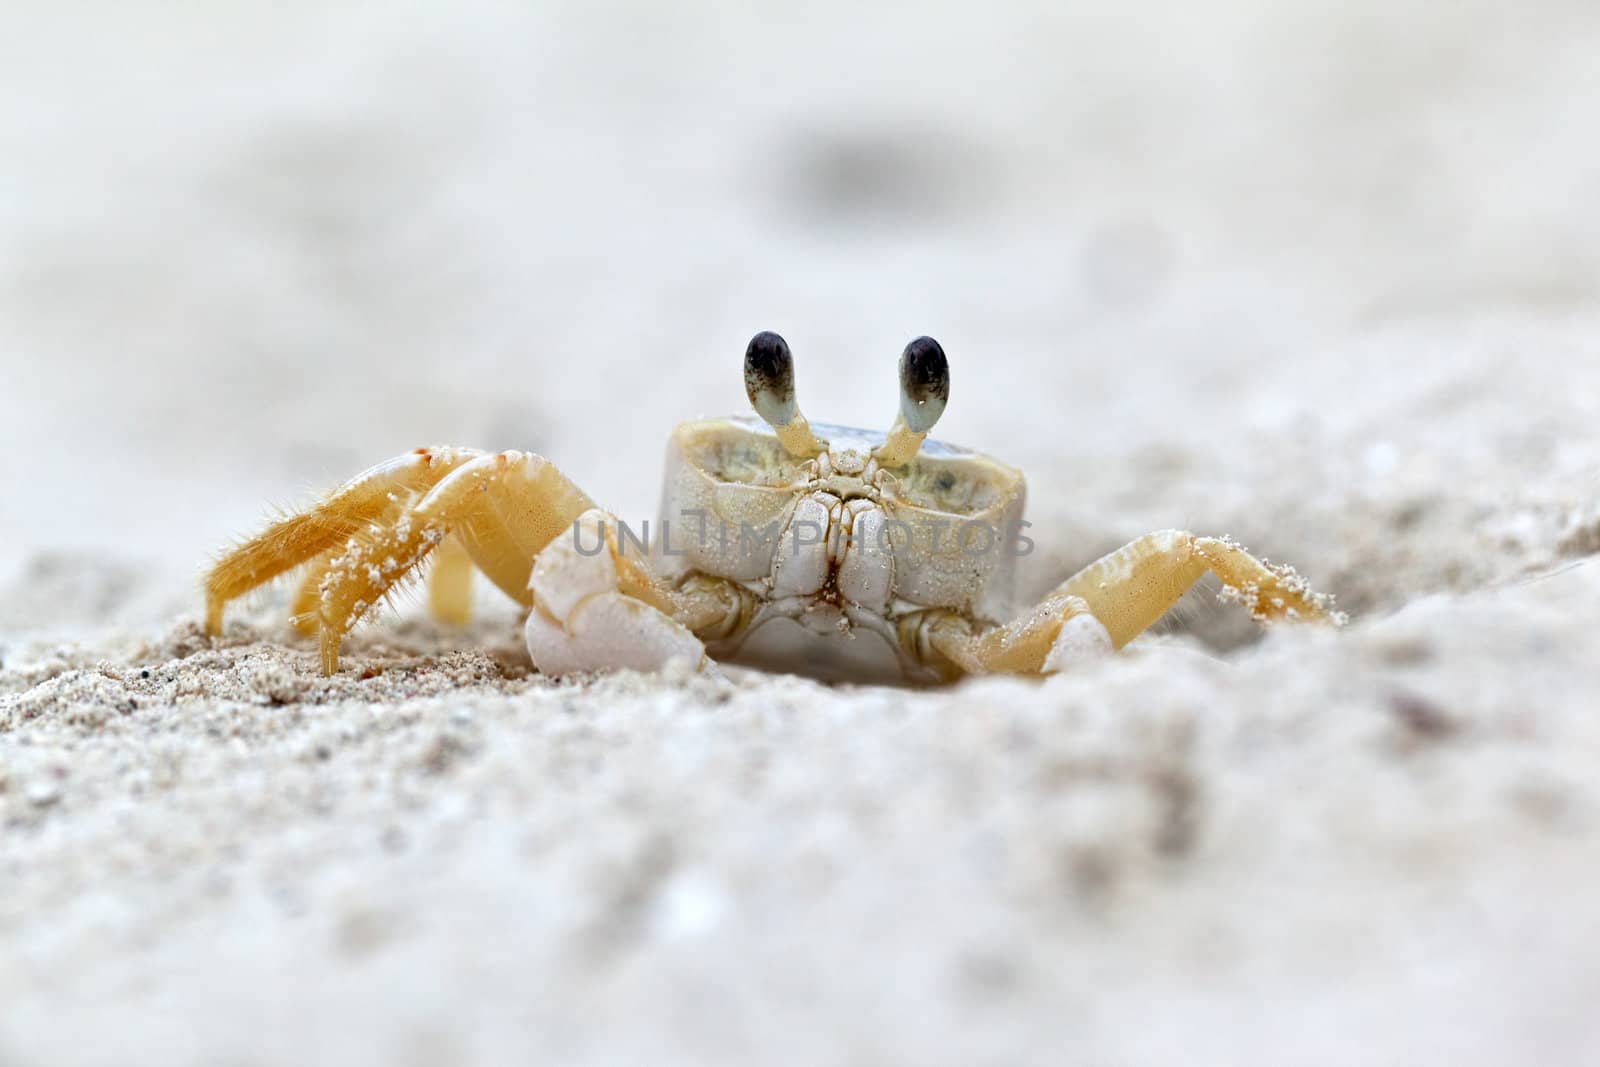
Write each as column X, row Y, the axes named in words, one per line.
column 1325, row 278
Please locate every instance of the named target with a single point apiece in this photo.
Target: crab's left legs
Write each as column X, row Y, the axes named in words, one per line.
column 450, row 582
column 317, row 534
column 537, row 537
column 449, row 586
column 503, row 508
column 1115, row 598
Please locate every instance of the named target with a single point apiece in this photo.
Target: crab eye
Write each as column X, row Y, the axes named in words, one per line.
column 924, row 384
column 769, row 378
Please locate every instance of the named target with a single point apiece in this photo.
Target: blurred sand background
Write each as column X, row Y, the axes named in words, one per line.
column 1323, row 276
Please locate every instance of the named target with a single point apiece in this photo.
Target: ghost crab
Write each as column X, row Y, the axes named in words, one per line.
column 906, row 538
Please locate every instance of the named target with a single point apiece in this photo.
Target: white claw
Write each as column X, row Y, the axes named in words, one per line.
column 581, row 621
column 575, row 566
column 610, row 631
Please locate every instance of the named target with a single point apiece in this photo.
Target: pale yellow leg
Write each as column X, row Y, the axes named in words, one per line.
column 1021, row 646
column 450, row 583
column 503, row 507
column 303, row 609
column 524, row 502
column 1134, row 586
column 716, row 609
column 1115, row 598
column 325, row 526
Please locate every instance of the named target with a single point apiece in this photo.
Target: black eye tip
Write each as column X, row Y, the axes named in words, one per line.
column 769, row 377
column 924, row 370
column 767, row 359
column 767, row 347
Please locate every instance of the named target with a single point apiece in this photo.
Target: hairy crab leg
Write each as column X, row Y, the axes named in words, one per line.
column 450, row 583
column 520, row 507
column 1058, row 630
column 1131, row 588
column 504, row 508
column 324, row 526
column 303, row 608
column 1117, row 597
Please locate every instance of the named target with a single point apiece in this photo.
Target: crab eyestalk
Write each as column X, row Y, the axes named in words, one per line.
column 924, row 390
column 769, row 383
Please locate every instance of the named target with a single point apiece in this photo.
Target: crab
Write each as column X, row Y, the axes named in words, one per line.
column 839, row 551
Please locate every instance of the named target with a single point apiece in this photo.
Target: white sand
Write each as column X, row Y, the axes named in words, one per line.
column 1322, row 276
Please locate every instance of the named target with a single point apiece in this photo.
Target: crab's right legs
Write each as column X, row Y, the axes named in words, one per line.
column 1131, row 588
column 595, row 608
column 1115, row 598
column 1057, row 631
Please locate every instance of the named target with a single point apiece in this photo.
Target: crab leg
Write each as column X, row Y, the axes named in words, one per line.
column 450, row 583
column 303, row 608
column 324, row 526
column 1115, row 598
column 504, row 508
column 1134, row 586
column 1058, row 630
